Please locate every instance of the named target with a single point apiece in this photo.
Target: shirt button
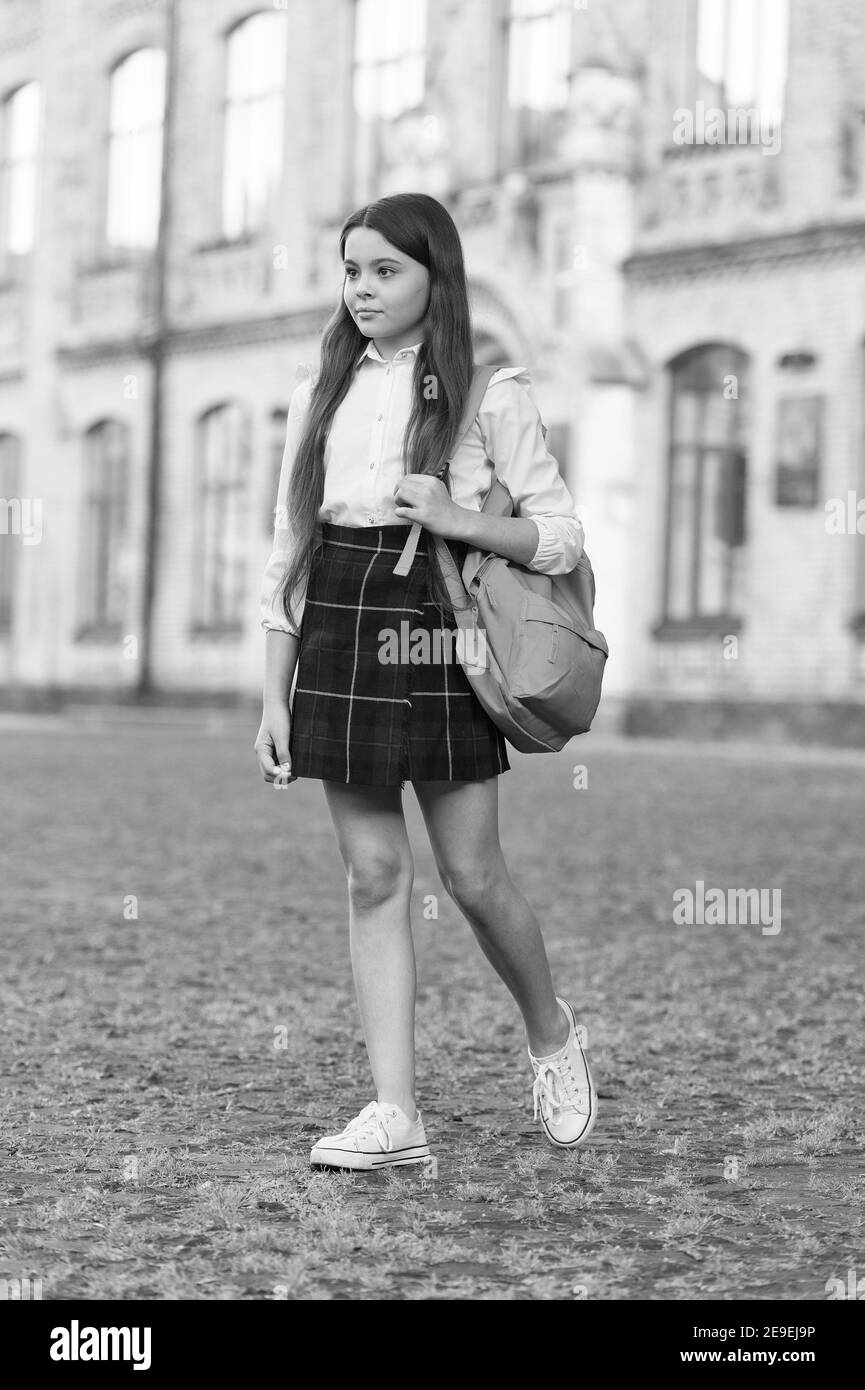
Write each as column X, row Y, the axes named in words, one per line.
column 378, row 417
column 372, row 465
column 372, row 520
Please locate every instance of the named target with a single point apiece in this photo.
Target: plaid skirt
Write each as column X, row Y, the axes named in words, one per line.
column 364, row 710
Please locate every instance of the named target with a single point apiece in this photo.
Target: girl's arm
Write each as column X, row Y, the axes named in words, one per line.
column 515, row 537
column 271, row 610
column 272, row 740
column 282, row 640
column 280, row 659
column 545, row 533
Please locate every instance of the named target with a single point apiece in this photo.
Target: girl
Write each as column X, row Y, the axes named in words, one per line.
column 366, row 445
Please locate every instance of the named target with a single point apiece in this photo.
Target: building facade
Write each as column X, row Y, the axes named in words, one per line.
column 662, row 206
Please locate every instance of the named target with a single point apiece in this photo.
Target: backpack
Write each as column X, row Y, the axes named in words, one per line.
column 526, row 641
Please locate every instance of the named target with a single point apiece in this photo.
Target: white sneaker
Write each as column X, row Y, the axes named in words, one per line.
column 563, row 1090
column 380, row 1136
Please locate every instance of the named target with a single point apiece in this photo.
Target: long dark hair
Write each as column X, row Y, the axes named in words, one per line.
column 420, row 227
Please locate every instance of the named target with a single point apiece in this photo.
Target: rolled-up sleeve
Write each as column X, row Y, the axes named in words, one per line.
column 271, row 608
column 514, row 435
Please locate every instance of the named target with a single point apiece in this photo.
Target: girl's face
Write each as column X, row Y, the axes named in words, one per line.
column 382, row 279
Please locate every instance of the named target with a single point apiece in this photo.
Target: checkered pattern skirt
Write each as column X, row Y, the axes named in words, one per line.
column 363, row 710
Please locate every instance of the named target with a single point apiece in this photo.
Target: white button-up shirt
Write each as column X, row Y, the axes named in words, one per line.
column 363, row 461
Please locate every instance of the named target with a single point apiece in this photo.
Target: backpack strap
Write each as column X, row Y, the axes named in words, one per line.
column 480, row 382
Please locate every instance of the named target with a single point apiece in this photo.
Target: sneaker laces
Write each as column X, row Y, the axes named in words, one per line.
column 556, row 1087
column 369, row 1123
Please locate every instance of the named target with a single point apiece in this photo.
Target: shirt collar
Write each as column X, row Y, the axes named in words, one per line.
column 372, row 351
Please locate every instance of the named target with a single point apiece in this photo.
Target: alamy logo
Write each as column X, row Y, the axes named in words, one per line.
column 422, row 647
column 76, row 1343
column 738, row 125
column 21, row 516
column 18, row 1290
column 737, row 906
column 845, row 516
column 853, row 1289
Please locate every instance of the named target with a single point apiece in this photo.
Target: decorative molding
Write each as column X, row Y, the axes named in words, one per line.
column 845, row 239
column 211, row 337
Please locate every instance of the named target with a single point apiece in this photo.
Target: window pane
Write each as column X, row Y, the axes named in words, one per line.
column 22, row 208
column 21, row 123
column 774, row 41
column 138, row 91
column 719, row 417
column 256, row 55
column 741, row 33
column 23, row 115
column 103, row 579
column 713, row 550
column 681, row 533
column 741, row 53
column 135, row 148
column 253, row 140
column 710, row 40
column 539, row 55
column 222, row 570
column 686, row 416
column 390, row 58
column 707, row 487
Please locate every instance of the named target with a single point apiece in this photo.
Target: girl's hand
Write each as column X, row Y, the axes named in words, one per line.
column 424, row 498
column 271, row 746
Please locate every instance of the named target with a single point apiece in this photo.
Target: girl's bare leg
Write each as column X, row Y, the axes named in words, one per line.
column 372, row 838
column 462, row 822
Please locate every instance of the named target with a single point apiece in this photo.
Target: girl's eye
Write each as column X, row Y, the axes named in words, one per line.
column 384, row 269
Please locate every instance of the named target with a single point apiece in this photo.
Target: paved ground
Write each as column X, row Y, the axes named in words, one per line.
column 167, row 912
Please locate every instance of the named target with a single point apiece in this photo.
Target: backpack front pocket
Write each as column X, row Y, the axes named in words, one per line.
column 558, row 664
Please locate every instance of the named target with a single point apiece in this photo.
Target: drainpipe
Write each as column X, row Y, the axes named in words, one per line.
column 155, row 352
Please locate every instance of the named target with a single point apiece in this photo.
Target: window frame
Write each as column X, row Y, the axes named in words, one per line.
column 104, row 512
column 211, row 614
column 120, row 249
column 251, row 227
column 696, row 621
column 528, row 135
column 9, row 166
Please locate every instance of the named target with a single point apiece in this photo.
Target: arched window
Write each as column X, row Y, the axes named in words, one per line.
column 102, row 581
column 706, row 486
column 256, row 64
column 19, row 139
column 10, row 501
column 137, row 109
column 221, row 504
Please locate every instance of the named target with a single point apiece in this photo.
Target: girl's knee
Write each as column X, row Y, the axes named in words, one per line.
column 471, row 884
column 379, row 877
